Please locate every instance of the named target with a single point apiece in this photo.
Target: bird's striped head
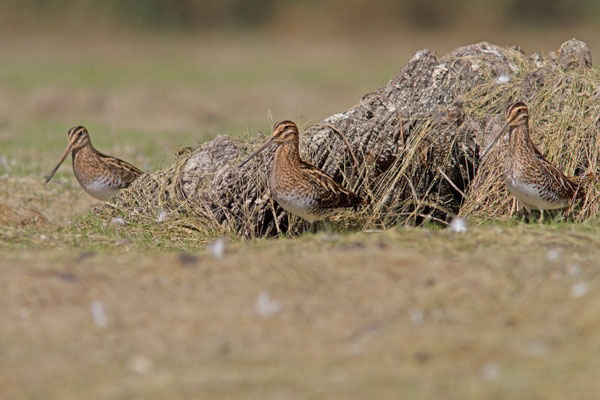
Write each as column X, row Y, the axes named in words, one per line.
column 78, row 138
column 283, row 132
column 517, row 114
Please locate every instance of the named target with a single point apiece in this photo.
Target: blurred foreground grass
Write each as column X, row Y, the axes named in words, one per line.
column 503, row 311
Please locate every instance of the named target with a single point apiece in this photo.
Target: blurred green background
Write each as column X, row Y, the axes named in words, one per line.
column 146, row 77
column 184, row 15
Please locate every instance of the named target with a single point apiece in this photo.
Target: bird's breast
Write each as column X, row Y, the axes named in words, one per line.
column 298, row 203
column 535, row 195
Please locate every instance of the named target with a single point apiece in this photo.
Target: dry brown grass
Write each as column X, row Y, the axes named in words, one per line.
column 564, row 114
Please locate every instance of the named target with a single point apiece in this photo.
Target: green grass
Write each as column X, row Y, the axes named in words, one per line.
column 182, row 73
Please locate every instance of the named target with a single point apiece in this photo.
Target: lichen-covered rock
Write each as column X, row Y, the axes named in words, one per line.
column 574, row 55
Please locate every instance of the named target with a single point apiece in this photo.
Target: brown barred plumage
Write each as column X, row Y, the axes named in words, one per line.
column 298, row 186
column 529, row 176
column 99, row 175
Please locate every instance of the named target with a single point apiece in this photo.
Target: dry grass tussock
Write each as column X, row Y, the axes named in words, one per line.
column 157, row 203
column 158, row 208
column 564, row 112
column 415, row 186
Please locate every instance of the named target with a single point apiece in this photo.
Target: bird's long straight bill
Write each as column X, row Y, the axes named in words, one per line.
column 255, row 152
column 62, row 158
column 496, row 138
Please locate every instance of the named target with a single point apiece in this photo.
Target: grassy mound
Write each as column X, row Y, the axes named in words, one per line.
column 155, row 206
column 432, row 174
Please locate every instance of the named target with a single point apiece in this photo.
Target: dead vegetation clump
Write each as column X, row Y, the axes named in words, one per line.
column 413, row 148
column 563, row 95
column 21, row 217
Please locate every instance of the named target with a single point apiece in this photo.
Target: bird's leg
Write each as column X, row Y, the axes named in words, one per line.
column 513, row 206
column 527, row 212
column 522, row 213
column 541, row 220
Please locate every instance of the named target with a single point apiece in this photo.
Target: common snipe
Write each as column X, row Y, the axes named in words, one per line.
column 529, row 176
column 99, row 175
column 298, row 186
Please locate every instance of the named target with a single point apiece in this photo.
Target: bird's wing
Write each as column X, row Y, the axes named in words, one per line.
column 560, row 182
column 331, row 193
column 127, row 171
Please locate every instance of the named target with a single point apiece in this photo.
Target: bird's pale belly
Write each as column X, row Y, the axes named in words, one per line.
column 302, row 206
column 100, row 190
column 531, row 196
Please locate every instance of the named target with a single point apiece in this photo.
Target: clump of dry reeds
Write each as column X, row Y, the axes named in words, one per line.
column 155, row 205
column 414, row 167
column 241, row 205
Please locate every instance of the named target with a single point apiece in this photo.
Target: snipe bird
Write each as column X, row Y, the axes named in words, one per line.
column 529, row 176
column 99, row 175
column 298, row 186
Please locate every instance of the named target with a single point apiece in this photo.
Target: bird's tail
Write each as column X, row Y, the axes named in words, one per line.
column 581, row 181
column 356, row 201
